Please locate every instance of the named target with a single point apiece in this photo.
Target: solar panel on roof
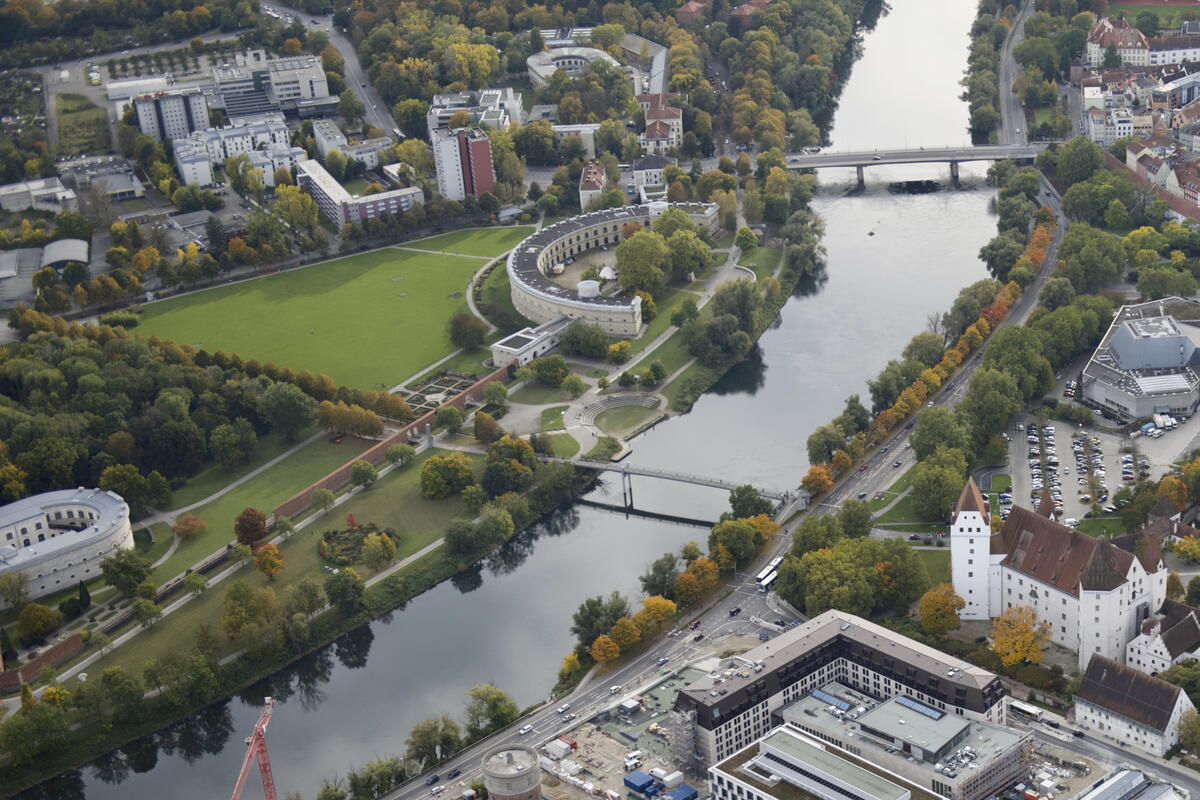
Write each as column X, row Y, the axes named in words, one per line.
column 920, row 708
column 826, row 697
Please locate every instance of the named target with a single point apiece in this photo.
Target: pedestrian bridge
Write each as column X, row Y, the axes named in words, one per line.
column 921, row 155
column 627, row 470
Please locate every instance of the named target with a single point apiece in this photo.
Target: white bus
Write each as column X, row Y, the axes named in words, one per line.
column 771, row 566
column 1025, row 711
column 766, row 583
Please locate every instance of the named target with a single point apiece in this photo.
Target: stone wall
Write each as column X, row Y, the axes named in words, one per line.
column 377, row 454
column 11, row 679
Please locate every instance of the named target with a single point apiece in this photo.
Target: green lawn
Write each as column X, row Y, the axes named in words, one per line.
column 674, row 353
column 563, row 445
column 264, row 492
column 725, row 242
column 496, row 302
column 217, row 477
column 349, row 318
column 395, row 502
column 937, row 563
column 552, row 418
column 662, row 320
column 1101, row 526
column 476, row 241
column 763, row 260
column 82, row 125
column 903, row 511
column 1168, row 16
column 606, row 447
column 535, row 394
column 1041, row 115
column 623, row 420
column 1001, row 483
column 355, row 186
column 151, row 543
column 469, row 361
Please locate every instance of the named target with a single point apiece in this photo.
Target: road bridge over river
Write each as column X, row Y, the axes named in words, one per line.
column 922, row 155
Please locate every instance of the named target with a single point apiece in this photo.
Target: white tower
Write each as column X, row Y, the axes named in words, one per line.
column 970, row 552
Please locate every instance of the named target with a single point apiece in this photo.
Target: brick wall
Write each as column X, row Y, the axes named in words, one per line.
column 11, row 680
column 377, row 454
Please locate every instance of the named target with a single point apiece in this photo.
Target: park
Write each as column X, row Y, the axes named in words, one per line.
column 366, row 320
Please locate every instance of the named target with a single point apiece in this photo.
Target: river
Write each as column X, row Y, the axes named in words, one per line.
column 892, row 259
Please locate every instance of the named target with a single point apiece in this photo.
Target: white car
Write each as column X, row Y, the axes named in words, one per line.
column 565, row 707
column 525, row 730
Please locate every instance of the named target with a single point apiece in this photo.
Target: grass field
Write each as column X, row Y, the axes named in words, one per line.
column 552, row 418
column 1168, row 16
column 937, row 564
column 535, row 394
column 216, row 477
column 349, row 318
column 394, row 502
column 667, row 306
column 623, row 420
column 563, row 445
column 355, row 186
column 82, row 125
column 1001, row 483
column 497, row 293
column 1102, row 526
column 264, row 492
column 763, row 260
column 487, row 242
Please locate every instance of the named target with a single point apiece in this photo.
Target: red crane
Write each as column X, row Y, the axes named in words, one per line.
column 256, row 747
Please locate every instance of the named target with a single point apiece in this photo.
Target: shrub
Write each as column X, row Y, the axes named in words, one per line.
column 120, row 319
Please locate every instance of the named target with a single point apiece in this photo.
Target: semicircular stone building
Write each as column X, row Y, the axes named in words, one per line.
column 540, row 299
column 58, row 538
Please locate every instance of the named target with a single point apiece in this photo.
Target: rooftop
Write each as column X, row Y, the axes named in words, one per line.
column 1128, row 692
column 109, row 509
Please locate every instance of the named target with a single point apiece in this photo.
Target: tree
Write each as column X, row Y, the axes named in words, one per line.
column 295, row 207
column 937, row 483
column 1112, row 57
column 346, row 591
column 660, row 578
column 740, row 537
column 1189, row 730
column 467, row 331
column 596, row 616
column 550, row 370
column 1174, row 490
column 363, row 474
column 1056, row 293
column 640, row 263
column 487, row 430
column 745, row 501
column 823, row 442
column 936, row 426
column 350, row 107
column 45, row 728
column 855, row 517
column 1175, row 590
column 250, row 526
column 195, row 583
column 268, row 560
column 450, row 418
column 433, row 739
column 604, row 648
column 37, row 620
column 378, row 551
column 14, row 589
column 939, row 609
column 658, row 608
column 745, row 239
column 288, row 409
column 626, row 633
column 188, row 526
column 442, row 476
column 1018, row 635
column 1193, row 591
column 494, row 393
column 145, row 612
column 402, row 454
column 1078, row 160
column 124, row 570
column 323, row 499
column 489, row 708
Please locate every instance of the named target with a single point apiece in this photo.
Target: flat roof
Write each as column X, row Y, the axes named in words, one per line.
column 804, row 751
column 909, row 723
column 1153, row 327
column 109, row 508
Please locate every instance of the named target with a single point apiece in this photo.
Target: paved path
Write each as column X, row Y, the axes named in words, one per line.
column 443, row 252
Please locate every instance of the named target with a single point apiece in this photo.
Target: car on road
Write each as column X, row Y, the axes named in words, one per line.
column 662, row 661
column 896, row 465
column 697, row 637
column 912, row 537
column 564, row 708
column 695, row 624
column 568, row 717
column 862, row 467
column 862, row 495
column 524, row 730
column 733, row 612
column 454, row 773
column 432, row 779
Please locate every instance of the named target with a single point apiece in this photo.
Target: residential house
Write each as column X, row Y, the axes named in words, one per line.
column 1170, row 636
column 687, row 14
column 591, row 185
column 1130, row 707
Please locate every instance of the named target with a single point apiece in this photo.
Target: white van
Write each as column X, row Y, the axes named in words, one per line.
column 435, row 791
column 614, row 689
column 1070, row 522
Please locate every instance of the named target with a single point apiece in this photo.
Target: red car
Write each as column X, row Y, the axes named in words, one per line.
column 695, row 624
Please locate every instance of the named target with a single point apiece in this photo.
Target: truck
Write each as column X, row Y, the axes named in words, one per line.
column 1159, row 421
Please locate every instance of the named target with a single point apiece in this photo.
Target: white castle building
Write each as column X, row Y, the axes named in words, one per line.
column 1095, row 593
column 58, row 538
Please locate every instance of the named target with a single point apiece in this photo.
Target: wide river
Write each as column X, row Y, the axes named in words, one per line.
column 892, row 259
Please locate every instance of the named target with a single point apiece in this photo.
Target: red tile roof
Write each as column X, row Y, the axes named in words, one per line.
column 1128, row 692
column 971, row 499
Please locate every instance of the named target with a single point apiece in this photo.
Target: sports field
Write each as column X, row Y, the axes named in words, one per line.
column 365, row 320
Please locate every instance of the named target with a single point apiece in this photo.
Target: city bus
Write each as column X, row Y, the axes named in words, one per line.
column 1025, row 711
column 771, row 566
column 766, row 583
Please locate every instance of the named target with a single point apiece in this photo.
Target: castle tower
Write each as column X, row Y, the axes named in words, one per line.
column 970, row 552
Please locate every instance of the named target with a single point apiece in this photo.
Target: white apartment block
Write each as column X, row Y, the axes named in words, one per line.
column 171, row 114
column 40, row 194
column 493, row 108
column 341, row 207
column 367, row 151
column 328, row 136
column 265, row 139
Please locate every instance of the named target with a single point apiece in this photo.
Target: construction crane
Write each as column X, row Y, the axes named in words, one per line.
column 256, row 747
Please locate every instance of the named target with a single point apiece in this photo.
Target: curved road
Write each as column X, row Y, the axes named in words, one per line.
column 378, row 113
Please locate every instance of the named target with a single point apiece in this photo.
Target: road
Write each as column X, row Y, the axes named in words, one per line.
column 922, row 155
column 1103, row 750
column 1012, row 115
column 378, row 114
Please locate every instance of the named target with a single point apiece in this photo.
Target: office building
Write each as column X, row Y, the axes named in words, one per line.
column 341, row 207
column 491, row 108
column 39, row 194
